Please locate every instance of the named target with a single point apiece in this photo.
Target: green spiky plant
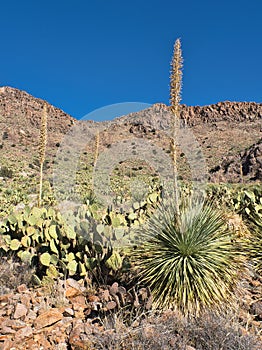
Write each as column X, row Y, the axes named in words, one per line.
column 192, row 263
column 175, row 98
column 255, row 241
column 42, row 151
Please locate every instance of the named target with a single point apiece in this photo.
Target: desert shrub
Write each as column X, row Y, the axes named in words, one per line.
column 6, row 172
column 220, row 331
column 13, row 273
column 190, row 262
column 170, row 330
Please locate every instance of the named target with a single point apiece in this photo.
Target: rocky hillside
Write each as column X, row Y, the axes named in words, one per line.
column 229, row 133
column 20, row 120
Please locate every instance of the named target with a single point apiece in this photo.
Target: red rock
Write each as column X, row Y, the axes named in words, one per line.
column 20, row 311
column 48, row 318
column 71, row 292
column 3, row 338
column 6, row 297
column 7, row 345
column 25, row 300
column 7, row 330
column 31, row 315
column 22, row 288
column 79, row 299
column 16, row 324
column 74, row 284
column 93, row 298
column 24, row 333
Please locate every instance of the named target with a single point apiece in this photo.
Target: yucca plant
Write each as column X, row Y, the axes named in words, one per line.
column 255, row 242
column 190, row 263
column 42, row 151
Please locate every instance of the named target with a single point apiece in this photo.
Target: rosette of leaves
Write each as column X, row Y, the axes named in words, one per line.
column 255, row 242
column 191, row 262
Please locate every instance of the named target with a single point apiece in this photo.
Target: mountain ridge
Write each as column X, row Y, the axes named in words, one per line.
column 224, row 131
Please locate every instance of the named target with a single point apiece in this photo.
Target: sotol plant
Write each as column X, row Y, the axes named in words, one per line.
column 190, row 263
column 42, row 151
column 175, row 98
column 255, row 250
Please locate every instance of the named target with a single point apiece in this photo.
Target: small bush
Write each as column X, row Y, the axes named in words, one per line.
column 13, row 273
column 171, row 331
column 6, row 172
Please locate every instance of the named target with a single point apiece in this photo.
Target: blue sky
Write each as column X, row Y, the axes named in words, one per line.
column 82, row 55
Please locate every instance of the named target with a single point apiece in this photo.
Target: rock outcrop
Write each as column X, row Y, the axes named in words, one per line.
column 246, row 165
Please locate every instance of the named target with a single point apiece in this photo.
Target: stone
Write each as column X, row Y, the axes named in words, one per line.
column 3, row 338
column 68, row 312
column 22, row 288
column 74, row 284
column 72, row 292
column 24, row 333
column 78, row 299
column 31, row 315
column 48, row 318
column 20, row 311
column 25, row 300
column 6, row 297
column 7, row 330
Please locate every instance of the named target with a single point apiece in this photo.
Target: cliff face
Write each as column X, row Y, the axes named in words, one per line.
column 229, row 133
column 223, row 111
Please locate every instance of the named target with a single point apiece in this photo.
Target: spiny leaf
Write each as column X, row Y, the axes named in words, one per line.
column 53, row 247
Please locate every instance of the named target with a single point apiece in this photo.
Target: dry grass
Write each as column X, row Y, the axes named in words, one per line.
column 172, row 331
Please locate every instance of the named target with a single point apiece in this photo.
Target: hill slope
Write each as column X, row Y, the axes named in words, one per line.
column 229, row 133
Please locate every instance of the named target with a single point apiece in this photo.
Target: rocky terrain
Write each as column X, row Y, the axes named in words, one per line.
column 71, row 315
column 228, row 133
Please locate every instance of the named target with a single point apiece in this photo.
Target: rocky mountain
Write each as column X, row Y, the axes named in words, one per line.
column 228, row 133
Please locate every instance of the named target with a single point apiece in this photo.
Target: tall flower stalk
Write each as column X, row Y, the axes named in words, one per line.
column 42, row 151
column 96, row 152
column 175, row 98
